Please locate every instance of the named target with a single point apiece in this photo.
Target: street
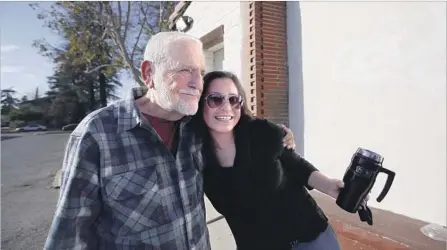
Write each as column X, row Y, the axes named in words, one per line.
column 28, row 164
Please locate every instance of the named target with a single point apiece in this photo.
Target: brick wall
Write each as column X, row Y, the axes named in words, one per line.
column 267, row 88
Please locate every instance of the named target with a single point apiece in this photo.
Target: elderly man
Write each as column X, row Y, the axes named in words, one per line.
column 132, row 171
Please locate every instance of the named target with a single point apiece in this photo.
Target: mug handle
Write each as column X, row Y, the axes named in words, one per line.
column 389, row 182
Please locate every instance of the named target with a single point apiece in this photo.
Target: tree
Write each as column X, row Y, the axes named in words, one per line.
column 26, row 113
column 74, row 86
column 124, row 26
column 8, row 101
column 36, row 94
column 73, row 92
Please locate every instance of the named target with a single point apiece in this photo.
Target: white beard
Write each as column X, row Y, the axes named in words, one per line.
column 170, row 101
column 186, row 108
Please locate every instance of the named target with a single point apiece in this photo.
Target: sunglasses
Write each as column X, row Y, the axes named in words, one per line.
column 216, row 100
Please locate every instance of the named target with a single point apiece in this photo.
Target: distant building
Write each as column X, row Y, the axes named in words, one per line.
column 38, row 105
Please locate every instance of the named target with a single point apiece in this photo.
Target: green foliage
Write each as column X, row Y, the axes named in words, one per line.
column 26, row 113
column 17, row 124
column 8, row 101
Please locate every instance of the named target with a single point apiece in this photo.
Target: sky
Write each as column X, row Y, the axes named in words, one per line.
column 21, row 66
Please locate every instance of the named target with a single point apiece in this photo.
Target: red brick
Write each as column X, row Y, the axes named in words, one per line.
column 268, row 30
column 269, row 14
column 270, row 70
column 274, row 6
column 275, row 67
column 274, row 22
column 267, row 42
column 274, row 78
column 272, row 52
column 273, row 37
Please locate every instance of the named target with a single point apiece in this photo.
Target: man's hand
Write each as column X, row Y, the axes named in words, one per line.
column 288, row 140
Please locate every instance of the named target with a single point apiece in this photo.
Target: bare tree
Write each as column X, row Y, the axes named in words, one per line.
column 125, row 26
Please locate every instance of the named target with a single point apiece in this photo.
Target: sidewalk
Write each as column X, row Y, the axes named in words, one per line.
column 389, row 232
column 220, row 234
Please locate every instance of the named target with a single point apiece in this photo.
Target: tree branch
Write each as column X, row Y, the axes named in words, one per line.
column 138, row 37
column 126, row 25
column 146, row 20
column 161, row 15
column 122, row 47
column 95, row 69
column 119, row 13
column 101, row 23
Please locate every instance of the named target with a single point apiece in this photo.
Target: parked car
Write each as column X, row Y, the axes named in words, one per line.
column 69, row 127
column 31, row 127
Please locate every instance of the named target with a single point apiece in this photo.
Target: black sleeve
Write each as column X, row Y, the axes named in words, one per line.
column 299, row 169
column 270, row 135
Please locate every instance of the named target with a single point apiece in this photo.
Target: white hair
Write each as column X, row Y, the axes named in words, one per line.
column 159, row 52
column 157, row 49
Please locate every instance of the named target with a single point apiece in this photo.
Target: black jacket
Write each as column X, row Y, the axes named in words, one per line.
column 264, row 195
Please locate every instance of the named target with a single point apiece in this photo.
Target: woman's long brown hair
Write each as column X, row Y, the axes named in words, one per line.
column 200, row 126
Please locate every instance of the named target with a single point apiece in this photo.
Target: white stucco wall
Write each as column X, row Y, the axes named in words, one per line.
column 210, row 15
column 374, row 75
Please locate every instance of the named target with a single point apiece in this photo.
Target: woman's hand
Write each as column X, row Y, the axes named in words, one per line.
column 330, row 186
column 288, row 140
column 333, row 187
column 325, row 184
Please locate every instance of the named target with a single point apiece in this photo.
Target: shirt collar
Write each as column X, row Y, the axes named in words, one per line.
column 129, row 115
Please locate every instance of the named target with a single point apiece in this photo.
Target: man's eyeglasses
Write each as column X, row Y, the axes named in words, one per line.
column 216, row 100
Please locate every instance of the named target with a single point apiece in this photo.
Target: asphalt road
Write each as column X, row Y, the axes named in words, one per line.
column 28, row 164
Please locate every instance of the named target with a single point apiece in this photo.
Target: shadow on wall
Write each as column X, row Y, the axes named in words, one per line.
column 294, row 55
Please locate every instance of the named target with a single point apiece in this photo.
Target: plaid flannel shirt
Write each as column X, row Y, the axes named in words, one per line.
column 123, row 189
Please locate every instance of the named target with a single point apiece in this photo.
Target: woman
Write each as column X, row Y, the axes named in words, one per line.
column 253, row 181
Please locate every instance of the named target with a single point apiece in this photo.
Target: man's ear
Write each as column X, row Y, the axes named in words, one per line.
column 147, row 73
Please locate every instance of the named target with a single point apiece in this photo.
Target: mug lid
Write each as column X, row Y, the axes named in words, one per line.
column 370, row 154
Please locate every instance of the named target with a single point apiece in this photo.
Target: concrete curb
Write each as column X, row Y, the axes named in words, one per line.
column 52, row 132
column 57, row 180
column 218, row 218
